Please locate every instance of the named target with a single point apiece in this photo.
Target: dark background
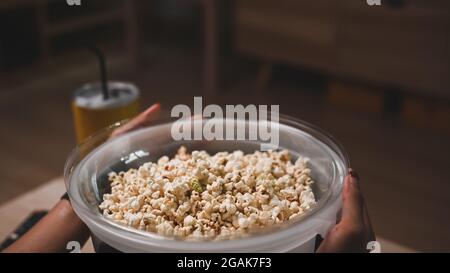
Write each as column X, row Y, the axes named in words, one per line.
column 376, row 77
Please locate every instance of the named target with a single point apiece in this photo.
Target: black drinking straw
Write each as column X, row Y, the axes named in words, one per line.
column 102, row 63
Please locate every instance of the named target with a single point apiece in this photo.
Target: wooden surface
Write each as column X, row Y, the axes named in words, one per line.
column 295, row 32
column 403, row 47
column 406, row 47
column 44, row 197
column 212, row 48
column 429, row 114
column 356, row 97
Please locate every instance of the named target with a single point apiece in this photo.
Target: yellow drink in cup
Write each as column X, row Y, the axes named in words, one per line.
column 92, row 111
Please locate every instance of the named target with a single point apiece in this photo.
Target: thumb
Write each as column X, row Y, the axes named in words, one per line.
column 352, row 206
column 143, row 119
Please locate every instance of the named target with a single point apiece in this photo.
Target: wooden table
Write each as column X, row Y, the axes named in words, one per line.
column 15, row 211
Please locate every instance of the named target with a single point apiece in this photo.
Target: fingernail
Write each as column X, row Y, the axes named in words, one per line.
column 353, row 174
column 151, row 109
column 154, row 106
column 353, row 179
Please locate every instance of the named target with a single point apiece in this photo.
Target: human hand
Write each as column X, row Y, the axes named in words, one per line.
column 141, row 120
column 354, row 230
column 61, row 225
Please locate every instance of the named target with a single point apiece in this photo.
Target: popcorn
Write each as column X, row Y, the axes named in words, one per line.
column 197, row 195
column 189, row 221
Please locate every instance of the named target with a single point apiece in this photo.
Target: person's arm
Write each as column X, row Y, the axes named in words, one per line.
column 53, row 232
column 61, row 225
column 354, row 229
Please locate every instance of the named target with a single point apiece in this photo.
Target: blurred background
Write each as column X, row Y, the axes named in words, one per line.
column 376, row 77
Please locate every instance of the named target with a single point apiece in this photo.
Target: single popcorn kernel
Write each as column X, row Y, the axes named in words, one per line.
column 195, row 185
column 201, row 196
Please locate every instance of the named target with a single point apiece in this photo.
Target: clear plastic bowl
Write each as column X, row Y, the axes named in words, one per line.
column 89, row 163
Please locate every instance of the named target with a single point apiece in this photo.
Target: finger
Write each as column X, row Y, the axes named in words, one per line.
column 140, row 120
column 145, row 117
column 352, row 206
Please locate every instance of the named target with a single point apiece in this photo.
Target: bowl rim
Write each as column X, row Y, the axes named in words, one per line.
column 258, row 236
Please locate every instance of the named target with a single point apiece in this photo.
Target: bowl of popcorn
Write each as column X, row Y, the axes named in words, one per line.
column 144, row 191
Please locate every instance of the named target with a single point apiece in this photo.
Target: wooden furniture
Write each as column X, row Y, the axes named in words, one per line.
column 401, row 44
column 211, row 33
column 48, row 31
column 122, row 13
